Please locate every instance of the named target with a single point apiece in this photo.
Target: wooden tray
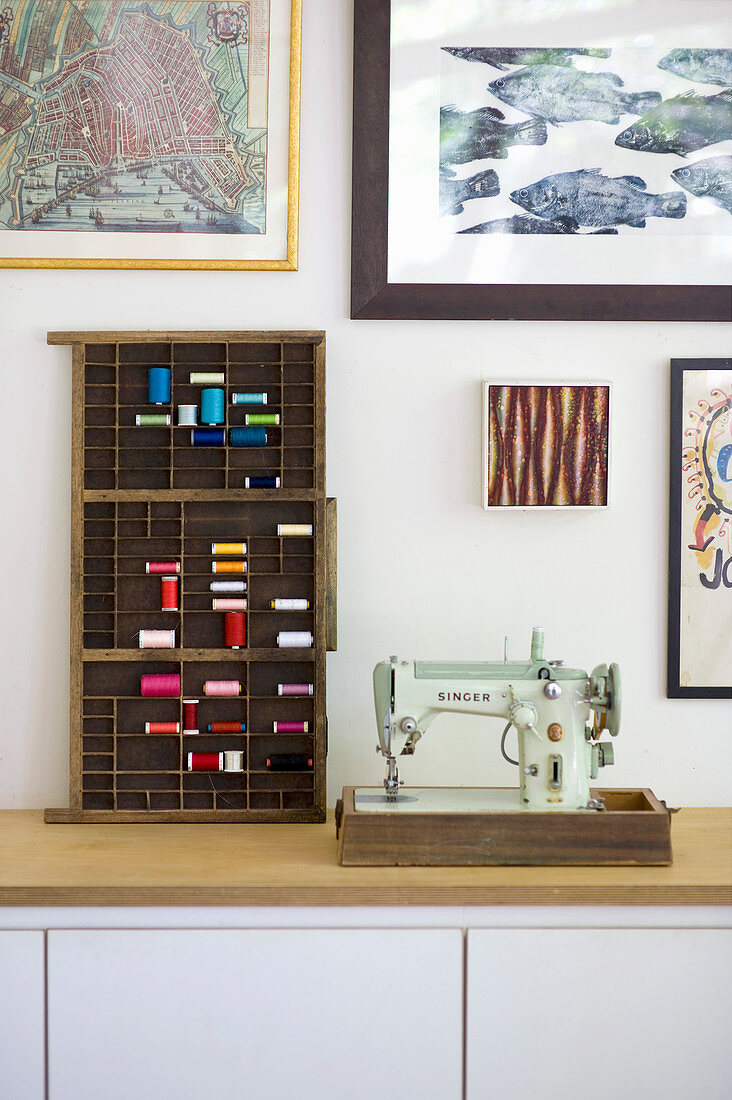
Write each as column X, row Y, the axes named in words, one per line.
column 635, row 829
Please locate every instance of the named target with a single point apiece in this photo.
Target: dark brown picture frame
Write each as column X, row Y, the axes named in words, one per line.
column 677, row 542
column 373, row 296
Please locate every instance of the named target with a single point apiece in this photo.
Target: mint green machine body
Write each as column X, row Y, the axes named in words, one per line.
column 549, row 705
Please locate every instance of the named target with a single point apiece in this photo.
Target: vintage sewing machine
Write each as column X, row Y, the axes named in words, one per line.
column 560, row 715
column 548, row 705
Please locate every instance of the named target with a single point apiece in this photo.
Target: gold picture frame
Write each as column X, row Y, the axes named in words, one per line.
column 218, row 40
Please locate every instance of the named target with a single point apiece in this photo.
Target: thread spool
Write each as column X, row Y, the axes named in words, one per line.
column 222, row 688
column 227, row 586
column 152, row 420
column 294, row 639
column 232, row 603
column 247, row 437
column 294, row 529
column 289, row 727
column 158, row 385
column 213, row 406
column 228, row 567
column 249, row 398
column 289, row 762
column 264, row 419
column 224, row 548
column 280, row 604
column 208, row 437
column 162, row 727
column 157, row 639
column 261, row 483
column 190, row 716
column 205, row 761
column 235, row 629
column 187, row 414
column 294, row 689
column 226, row 727
column 234, row 761
column 160, row 685
column 206, row 378
column 162, row 567
column 169, row 594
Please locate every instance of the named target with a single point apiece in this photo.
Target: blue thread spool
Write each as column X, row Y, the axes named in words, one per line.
column 208, row 437
column 249, row 398
column 158, row 385
column 261, row 483
column 247, row 437
column 213, row 405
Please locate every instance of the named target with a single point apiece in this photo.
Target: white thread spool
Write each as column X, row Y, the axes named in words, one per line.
column 289, row 605
column 294, row 529
column 188, row 414
column 294, row 639
column 233, row 761
column 227, row 586
column 157, row 639
column 206, row 378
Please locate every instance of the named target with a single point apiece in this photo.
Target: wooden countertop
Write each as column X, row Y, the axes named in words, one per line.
column 297, row 865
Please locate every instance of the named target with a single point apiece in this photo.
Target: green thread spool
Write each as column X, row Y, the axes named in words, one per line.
column 152, row 420
column 262, row 418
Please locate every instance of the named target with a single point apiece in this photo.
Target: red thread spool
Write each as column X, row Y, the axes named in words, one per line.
column 205, row 761
column 235, row 629
column 162, row 727
column 170, row 594
column 163, row 685
column 226, row 727
column 190, row 715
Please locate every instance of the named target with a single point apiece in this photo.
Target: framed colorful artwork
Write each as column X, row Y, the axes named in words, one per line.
column 149, row 134
column 553, row 161
column 700, row 530
column 546, row 445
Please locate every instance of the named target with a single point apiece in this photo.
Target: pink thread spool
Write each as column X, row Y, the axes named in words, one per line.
column 232, row 604
column 294, row 689
column 222, row 688
column 289, row 727
column 160, row 685
column 162, row 567
column 157, row 639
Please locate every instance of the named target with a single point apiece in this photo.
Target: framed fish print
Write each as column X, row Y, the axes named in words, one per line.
column 700, row 542
column 556, row 161
column 545, row 445
column 149, row 134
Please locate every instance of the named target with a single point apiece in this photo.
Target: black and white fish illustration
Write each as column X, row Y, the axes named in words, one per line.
column 474, row 135
column 561, row 93
column 709, row 66
column 587, row 197
column 681, row 125
column 455, row 192
column 522, row 223
column 708, row 179
column 501, row 57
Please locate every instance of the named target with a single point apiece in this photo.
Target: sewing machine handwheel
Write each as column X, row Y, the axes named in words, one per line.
column 615, row 697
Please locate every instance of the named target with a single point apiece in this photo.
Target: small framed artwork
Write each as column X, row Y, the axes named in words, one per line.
column 700, row 530
column 545, row 445
column 561, row 160
column 150, row 134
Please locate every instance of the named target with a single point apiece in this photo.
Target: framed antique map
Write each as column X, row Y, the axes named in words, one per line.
column 157, row 134
column 700, row 532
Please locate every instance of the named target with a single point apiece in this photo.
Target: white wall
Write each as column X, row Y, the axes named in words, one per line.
column 423, row 571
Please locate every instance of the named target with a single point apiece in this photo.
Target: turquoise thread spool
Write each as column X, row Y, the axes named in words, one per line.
column 249, row 398
column 247, row 437
column 158, row 385
column 213, row 406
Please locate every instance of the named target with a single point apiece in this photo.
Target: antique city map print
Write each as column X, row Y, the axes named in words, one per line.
column 133, row 117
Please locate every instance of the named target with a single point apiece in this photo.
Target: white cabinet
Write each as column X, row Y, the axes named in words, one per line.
column 605, row 1013
column 22, row 1016
column 260, row 1014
